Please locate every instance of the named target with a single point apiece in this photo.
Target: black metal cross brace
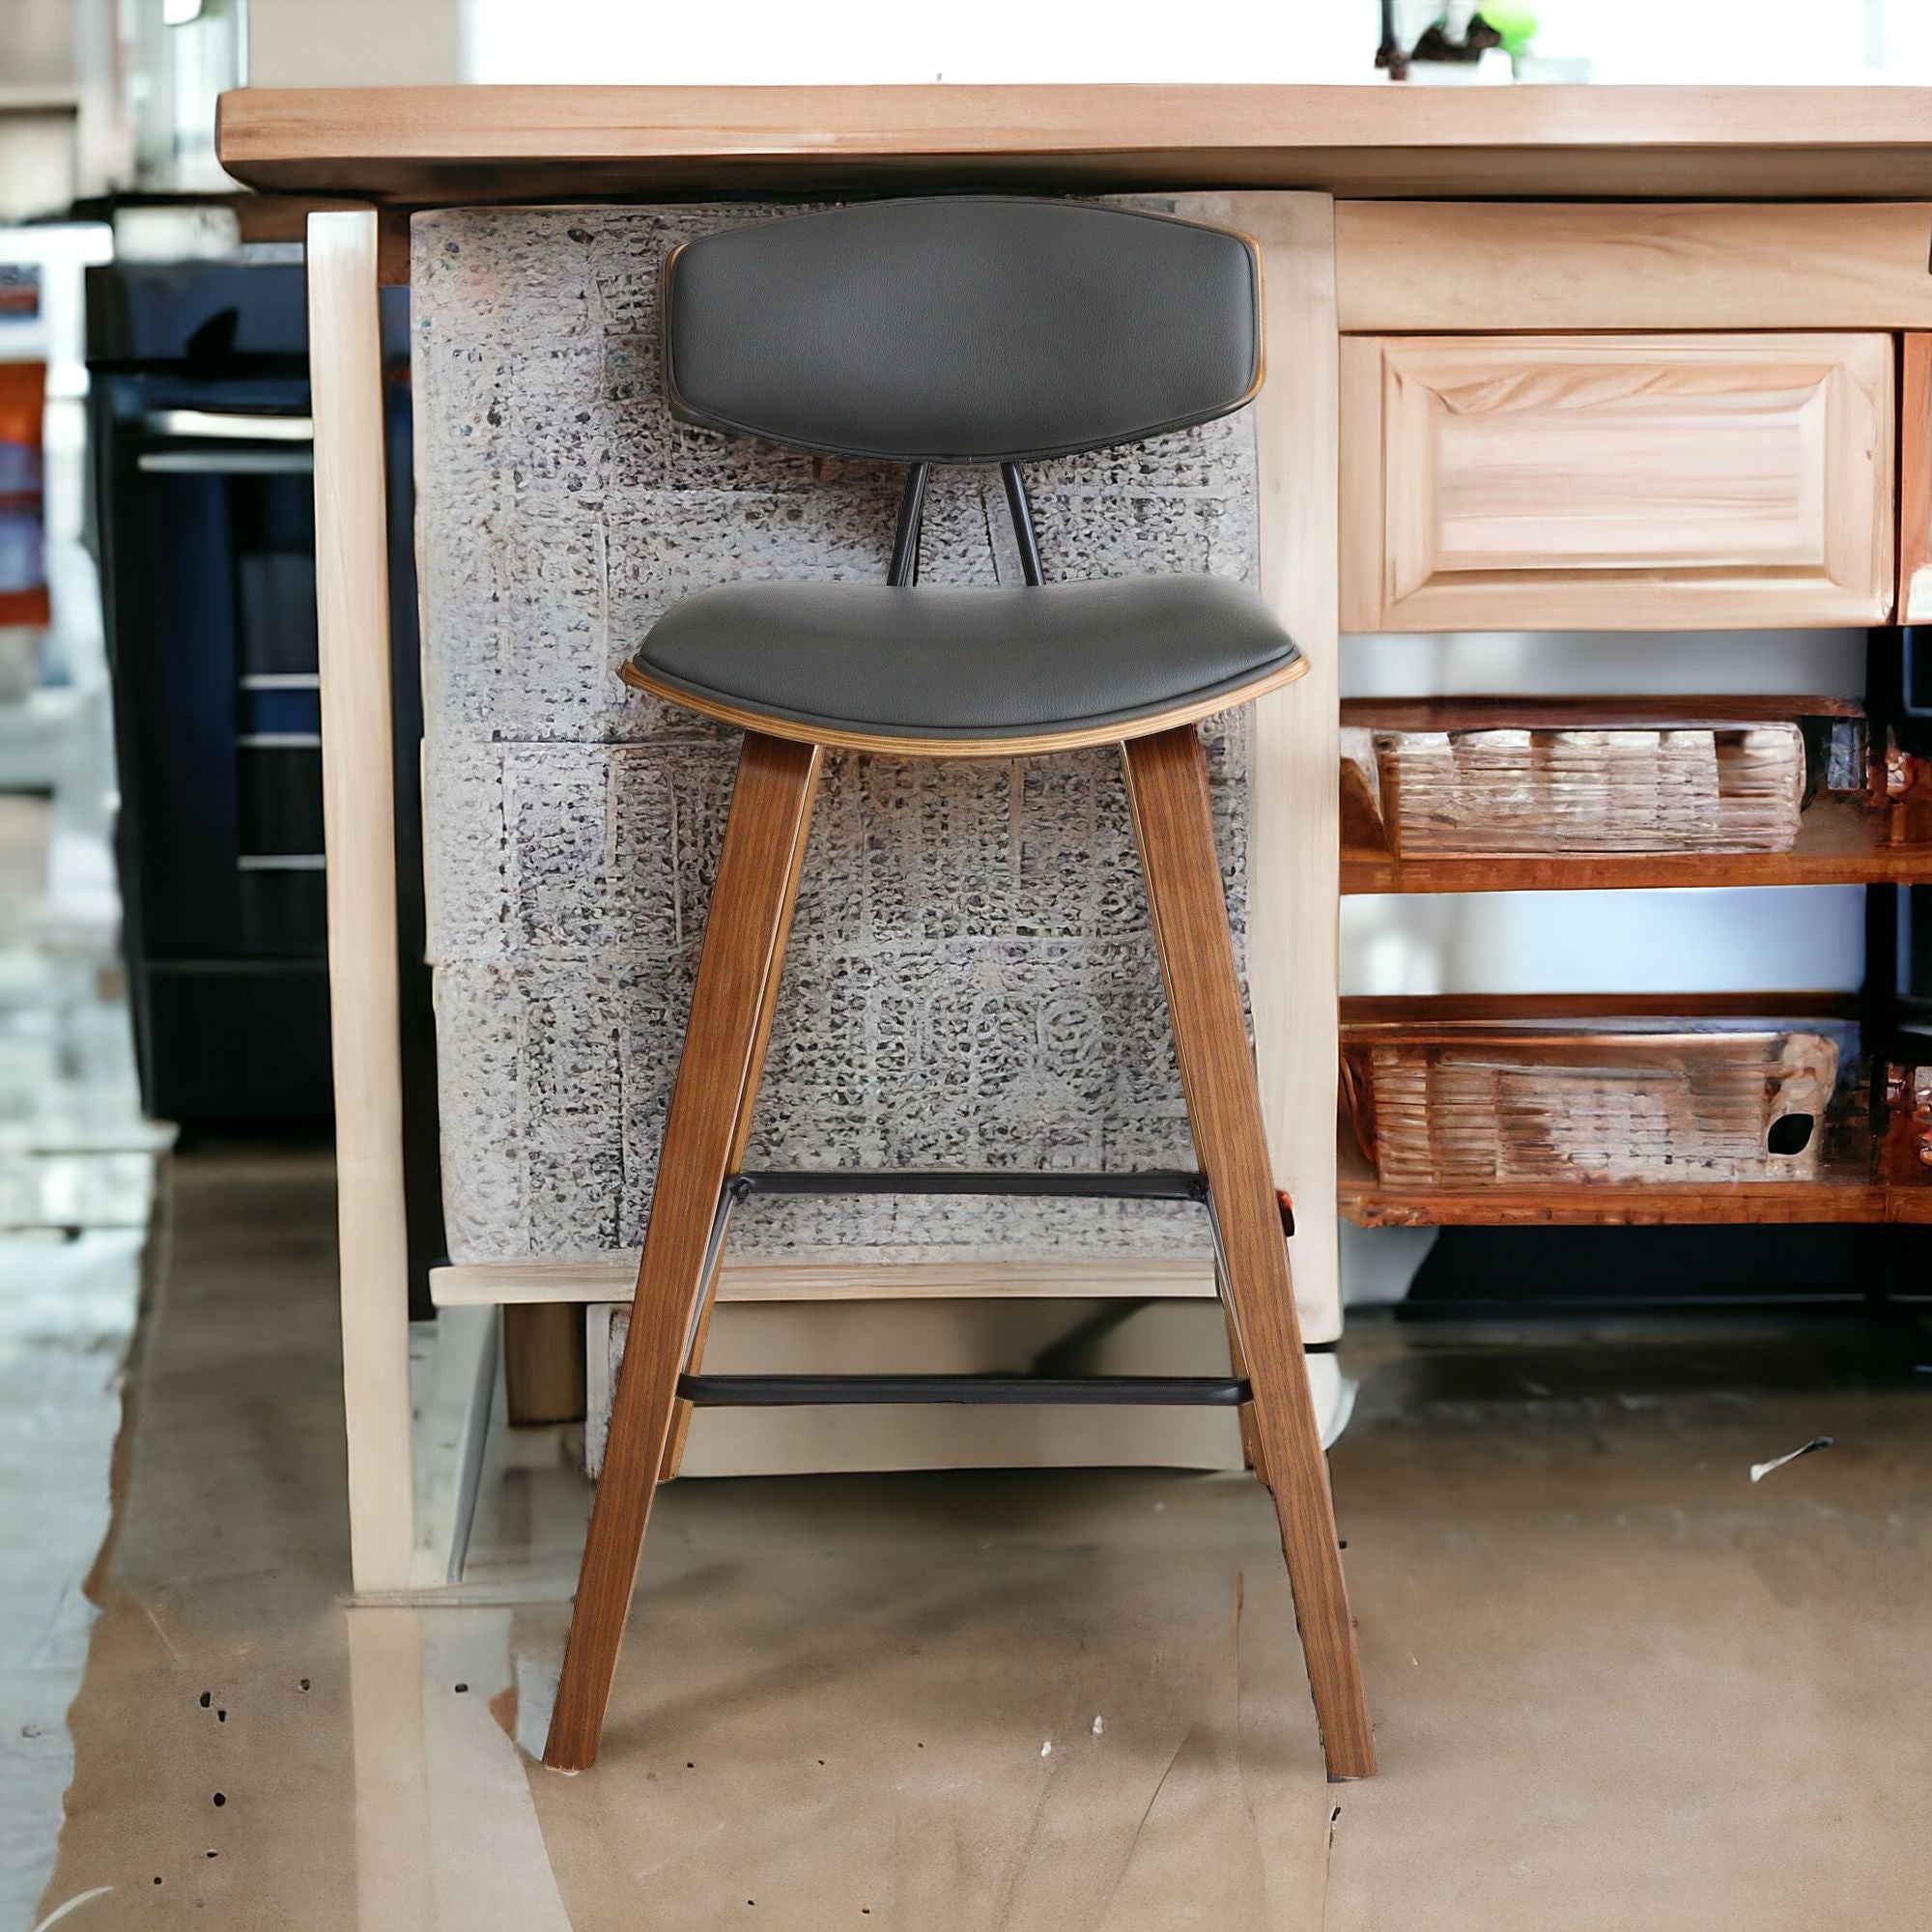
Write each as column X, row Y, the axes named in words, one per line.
column 1082, row 1391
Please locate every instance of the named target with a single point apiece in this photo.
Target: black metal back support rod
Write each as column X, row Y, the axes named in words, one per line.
column 904, row 569
column 1033, row 1389
column 1021, row 508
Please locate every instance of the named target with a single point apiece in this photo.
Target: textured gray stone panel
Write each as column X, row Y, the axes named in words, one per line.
column 479, row 1035
column 971, row 981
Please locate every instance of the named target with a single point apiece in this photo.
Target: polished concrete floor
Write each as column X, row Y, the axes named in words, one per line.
column 1616, row 1681
column 77, row 1183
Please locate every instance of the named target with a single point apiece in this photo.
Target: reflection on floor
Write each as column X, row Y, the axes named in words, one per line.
column 77, row 1186
column 65, row 1315
column 78, row 1163
column 1616, row 1682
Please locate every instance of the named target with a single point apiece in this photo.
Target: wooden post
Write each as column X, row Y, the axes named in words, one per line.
column 1295, row 866
column 1914, row 601
column 543, row 1363
column 352, row 583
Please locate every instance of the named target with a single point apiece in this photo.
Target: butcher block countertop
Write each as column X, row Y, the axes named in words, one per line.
column 425, row 146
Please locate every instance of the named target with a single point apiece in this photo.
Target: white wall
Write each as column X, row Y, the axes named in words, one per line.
column 342, row 42
column 378, row 43
column 1763, row 42
column 783, row 41
column 761, row 41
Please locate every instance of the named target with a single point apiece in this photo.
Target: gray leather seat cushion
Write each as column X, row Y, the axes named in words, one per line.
column 928, row 661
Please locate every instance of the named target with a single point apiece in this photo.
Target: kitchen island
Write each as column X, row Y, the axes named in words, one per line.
column 1617, row 359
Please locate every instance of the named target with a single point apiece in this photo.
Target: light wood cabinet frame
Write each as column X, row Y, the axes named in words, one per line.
column 1837, row 392
column 1915, row 480
column 1527, row 266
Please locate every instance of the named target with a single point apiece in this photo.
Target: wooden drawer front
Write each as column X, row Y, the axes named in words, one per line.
column 1637, row 482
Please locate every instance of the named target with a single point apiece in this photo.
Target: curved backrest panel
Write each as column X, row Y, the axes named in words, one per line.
column 964, row 329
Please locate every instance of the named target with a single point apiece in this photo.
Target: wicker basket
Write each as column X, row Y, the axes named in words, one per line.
column 1675, row 788
column 1451, row 1104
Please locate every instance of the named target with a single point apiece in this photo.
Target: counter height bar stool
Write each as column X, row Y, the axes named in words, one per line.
column 963, row 330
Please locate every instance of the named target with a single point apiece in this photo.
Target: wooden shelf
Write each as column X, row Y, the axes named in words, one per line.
column 1839, row 1193
column 1571, row 711
column 1840, row 842
column 1849, row 1189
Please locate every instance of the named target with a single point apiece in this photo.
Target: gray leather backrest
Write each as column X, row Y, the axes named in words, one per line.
column 963, row 330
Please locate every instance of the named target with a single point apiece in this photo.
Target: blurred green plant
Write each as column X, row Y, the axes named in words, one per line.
column 1514, row 23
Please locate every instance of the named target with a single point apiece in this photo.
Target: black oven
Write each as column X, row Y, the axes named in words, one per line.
column 204, row 463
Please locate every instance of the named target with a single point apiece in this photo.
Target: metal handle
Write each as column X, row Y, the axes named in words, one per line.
column 280, row 862
column 228, row 426
column 225, row 462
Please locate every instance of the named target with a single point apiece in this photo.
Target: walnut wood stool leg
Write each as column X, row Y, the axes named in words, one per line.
column 680, row 1426
column 1167, row 786
column 731, row 1009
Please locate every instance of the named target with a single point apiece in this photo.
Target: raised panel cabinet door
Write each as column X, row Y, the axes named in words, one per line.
column 1615, row 482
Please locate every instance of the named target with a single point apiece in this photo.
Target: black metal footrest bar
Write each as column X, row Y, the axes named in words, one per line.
column 1025, row 1391
column 1154, row 1185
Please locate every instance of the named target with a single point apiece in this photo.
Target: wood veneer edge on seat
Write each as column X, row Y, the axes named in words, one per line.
column 834, row 739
